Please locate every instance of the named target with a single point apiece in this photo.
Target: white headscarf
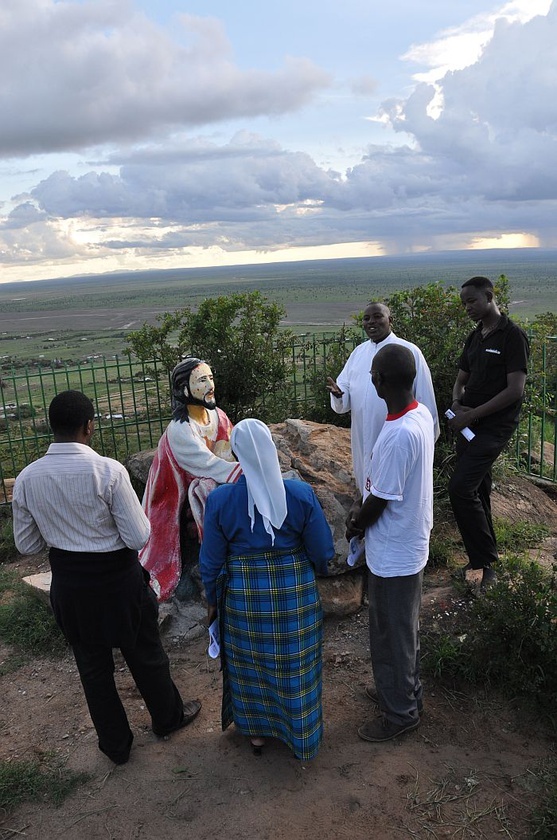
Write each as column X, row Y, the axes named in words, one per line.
column 253, row 445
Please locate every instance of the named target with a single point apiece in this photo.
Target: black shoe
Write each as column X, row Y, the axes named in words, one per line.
column 489, row 578
column 190, row 711
column 381, row 729
column 374, row 697
column 122, row 756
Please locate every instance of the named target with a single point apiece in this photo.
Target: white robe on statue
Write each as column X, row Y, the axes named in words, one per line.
column 368, row 410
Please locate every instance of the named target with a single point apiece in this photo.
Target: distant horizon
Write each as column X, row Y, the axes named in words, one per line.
column 474, row 255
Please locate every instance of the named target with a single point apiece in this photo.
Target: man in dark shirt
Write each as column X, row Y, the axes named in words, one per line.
column 487, row 396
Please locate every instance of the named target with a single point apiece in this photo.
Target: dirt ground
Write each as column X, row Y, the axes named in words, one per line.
column 471, row 770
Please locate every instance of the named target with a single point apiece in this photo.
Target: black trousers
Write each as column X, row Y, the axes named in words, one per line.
column 149, row 667
column 470, row 493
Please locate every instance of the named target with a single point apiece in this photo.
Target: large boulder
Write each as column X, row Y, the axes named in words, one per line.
column 319, row 454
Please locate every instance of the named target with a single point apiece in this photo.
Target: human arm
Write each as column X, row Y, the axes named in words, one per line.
column 129, row 517
column 213, row 552
column 194, row 456
column 339, row 390
column 368, row 514
column 28, row 539
column 424, row 391
column 467, row 416
column 316, row 533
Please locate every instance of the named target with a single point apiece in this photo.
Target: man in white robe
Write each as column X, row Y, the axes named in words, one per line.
column 353, row 389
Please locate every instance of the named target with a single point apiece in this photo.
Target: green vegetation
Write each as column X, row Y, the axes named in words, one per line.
column 544, row 818
column 519, row 536
column 507, row 639
column 8, row 550
column 24, row 781
column 26, row 622
column 239, row 336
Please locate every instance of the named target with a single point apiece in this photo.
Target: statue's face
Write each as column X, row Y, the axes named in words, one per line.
column 201, row 389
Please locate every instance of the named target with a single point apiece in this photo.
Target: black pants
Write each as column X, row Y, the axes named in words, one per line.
column 470, row 493
column 149, row 667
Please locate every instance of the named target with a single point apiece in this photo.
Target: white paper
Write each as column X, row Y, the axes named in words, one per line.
column 356, row 550
column 214, row 641
column 466, row 431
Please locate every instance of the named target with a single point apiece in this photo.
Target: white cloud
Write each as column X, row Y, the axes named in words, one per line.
column 94, row 72
column 481, row 170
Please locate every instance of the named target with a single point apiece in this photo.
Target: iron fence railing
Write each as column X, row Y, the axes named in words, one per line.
column 132, row 403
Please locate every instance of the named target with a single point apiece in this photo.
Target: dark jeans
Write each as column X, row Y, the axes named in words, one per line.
column 394, row 635
column 149, row 667
column 470, row 493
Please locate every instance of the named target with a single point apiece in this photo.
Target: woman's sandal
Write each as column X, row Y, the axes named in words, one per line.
column 257, row 745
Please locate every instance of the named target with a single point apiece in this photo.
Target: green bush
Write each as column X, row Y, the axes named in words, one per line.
column 239, row 336
column 506, row 638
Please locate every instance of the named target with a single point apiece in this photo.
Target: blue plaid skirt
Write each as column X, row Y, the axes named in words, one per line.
column 271, row 632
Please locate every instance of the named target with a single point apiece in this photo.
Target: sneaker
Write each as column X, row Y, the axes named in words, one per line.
column 382, row 729
column 374, row 697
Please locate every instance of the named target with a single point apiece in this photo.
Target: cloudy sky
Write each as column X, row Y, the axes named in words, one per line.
column 145, row 134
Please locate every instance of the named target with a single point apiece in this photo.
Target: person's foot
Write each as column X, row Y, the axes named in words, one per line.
column 381, row 729
column 489, row 578
column 257, row 745
column 374, row 697
column 191, row 709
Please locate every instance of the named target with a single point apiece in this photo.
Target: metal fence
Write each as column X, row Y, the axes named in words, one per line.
column 132, row 403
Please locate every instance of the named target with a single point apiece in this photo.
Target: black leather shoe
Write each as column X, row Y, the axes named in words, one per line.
column 190, row 711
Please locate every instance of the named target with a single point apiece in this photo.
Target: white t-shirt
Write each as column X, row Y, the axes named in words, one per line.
column 368, row 409
column 401, row 471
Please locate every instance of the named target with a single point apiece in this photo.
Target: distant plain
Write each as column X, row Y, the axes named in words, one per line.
column 75, row 318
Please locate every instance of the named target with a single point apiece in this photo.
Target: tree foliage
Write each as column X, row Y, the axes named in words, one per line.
column 239, row 336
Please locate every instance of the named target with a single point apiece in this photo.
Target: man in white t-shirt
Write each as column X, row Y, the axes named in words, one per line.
column 396, row 516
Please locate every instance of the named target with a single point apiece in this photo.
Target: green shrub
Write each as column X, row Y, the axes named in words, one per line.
column 519, row 536
column 506, row 638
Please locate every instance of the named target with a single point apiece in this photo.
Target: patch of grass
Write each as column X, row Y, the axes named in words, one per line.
column 519, row 536
column 24, row 781
column 27, row 623
column 544, row 817
column 441, row 548
column 8, row 550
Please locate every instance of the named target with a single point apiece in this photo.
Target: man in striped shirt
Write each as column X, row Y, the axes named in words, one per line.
column 83, row 508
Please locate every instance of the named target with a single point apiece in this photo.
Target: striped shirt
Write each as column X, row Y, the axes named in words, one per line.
column 77, row 500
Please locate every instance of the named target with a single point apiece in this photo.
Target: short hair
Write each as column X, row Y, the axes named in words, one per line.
column 396, row 364
column 482, row 283
column 179, row 378
column 69, row 412
column 380, row 304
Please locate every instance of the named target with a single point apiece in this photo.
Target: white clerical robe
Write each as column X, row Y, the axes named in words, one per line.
column 368, row 410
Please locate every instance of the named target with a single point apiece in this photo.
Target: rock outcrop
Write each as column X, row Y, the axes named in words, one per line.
column 319, row 454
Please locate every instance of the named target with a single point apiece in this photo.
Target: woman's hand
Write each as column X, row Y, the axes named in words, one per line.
column 211, row 613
